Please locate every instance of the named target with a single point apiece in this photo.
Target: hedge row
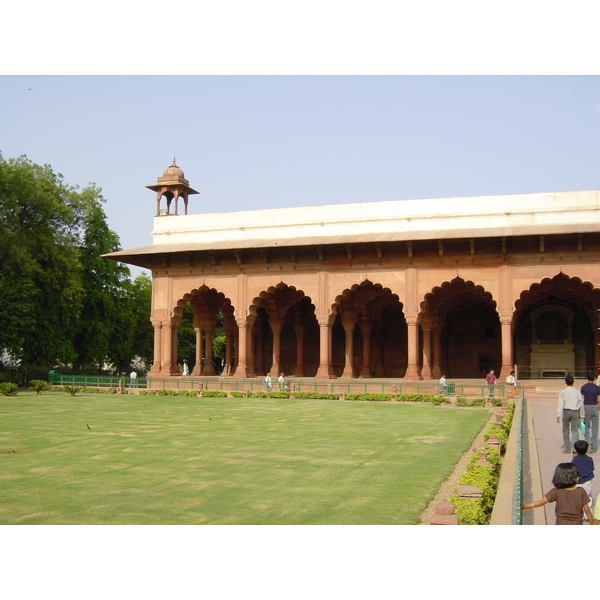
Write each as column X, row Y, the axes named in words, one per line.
column 478, row 511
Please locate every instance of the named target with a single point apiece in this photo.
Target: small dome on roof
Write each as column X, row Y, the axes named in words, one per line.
column 173, row 171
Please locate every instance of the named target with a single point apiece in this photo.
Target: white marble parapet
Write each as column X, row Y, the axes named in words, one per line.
column 484, row 216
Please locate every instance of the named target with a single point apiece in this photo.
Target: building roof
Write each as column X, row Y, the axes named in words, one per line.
column 399, row 220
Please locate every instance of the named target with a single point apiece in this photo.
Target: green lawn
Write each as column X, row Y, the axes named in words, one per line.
column 172, row 460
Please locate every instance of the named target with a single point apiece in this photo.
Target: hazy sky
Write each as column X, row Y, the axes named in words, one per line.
column 253, row 142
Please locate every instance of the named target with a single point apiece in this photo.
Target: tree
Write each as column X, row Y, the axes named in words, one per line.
column 105, row 329
column 60, row 302
column 143, row 336
column 40, row 288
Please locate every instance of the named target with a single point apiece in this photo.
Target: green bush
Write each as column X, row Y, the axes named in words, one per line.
column 461, row 401
column 213, row 394
column 38, row 385
column 477, row 511
column 436, row 399
column 71, row 389
column 278, row 395
column 8, row 388
column 315, row 396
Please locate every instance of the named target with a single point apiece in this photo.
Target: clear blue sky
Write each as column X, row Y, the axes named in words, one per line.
column 253, row 142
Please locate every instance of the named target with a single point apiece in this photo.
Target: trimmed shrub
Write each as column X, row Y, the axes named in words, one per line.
column 38, row 385
column 477, row 511
column 315, row 396
column 460, row 401
column 8, row 388
column 213, row 394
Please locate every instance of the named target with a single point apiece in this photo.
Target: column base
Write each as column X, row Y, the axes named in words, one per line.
column 412, row 373
column 504, row 373
column 348, row 372
column 325, row 372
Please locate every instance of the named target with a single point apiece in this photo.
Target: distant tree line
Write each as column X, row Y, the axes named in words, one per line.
column 61, row 305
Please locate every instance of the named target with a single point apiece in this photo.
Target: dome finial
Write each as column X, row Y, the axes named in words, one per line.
column 174, row 157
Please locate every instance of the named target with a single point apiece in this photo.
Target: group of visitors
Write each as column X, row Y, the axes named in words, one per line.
column 490, row 381
column 268, row 383
column 578, row 412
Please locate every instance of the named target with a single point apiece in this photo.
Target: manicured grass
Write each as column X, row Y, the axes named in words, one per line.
column 171, row 460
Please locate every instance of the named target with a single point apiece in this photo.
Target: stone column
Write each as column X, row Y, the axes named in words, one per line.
column 299, row 370
column 174, row 365
column 412, row 369
column 325, row 369
column 209, row 368
column 197, row 370
column 436, row 369
column 276, row 329
column 366, row 334
column 349, row 354
column 156, row 366
column 426, row 370
column 593, row 315
column 380, row 340
column 227, row 367
column 242, row 367
column 507, row 354
column 259, row 353
column 167, row 349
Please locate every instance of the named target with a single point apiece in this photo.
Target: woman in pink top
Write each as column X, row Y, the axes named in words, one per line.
column 490, row 380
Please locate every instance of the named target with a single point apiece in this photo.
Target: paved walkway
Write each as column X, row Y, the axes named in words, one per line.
column 542, row 451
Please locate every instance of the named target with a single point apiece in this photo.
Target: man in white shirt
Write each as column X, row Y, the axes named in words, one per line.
column 268, row 384
column 569, row 410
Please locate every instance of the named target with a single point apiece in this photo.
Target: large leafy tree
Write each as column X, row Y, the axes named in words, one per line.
column 40, row 288
column 60, row 302
column 105, row 330
column 143, row 338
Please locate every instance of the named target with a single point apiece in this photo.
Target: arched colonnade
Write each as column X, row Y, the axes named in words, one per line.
column 302, row 327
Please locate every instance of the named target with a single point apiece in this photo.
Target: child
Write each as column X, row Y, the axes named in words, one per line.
column 585, row 466
column 571, row 501
column 510, row 379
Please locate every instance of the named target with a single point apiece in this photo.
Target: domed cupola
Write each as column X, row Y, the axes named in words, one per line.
column 172, row 185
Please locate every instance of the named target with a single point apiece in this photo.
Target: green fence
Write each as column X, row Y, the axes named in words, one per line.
column 518, row 489
column 95, row 380
column 331, row 386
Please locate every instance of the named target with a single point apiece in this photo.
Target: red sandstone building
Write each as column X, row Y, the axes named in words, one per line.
column 403, row 289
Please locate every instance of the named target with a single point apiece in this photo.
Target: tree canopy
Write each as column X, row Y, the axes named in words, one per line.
column 60, row 303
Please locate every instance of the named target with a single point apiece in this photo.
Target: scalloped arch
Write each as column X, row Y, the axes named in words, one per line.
column 561, row 286
column 449, row 293
column 345, row 295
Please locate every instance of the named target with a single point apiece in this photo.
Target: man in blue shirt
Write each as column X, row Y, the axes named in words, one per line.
column 590, row 392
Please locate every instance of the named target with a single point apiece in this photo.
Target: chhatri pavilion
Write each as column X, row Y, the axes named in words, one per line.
column 398, row 289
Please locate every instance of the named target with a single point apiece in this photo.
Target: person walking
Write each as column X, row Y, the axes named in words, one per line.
column 443, row 384
column 569, row 410
column 268, row 383
column 572, row 502
column 490, row 380
column 590, row 392
column 585, row 466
